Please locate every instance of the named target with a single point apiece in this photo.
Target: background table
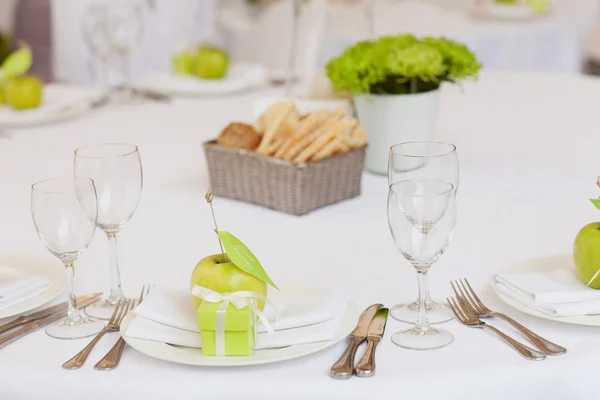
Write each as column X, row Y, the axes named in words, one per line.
column 528, row 148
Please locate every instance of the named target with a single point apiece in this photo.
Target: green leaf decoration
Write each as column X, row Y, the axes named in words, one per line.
column 596, row 202
column 243, row 258
column 16, row 63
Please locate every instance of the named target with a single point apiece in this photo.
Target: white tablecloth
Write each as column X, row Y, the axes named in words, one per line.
column 528, row 148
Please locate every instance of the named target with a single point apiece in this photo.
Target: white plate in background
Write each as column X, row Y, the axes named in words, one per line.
column 241, row 77
column 59, row 103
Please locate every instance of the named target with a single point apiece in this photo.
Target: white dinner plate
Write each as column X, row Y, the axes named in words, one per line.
column 15, row 265
column 241, row 77
column 506, row 12
column 546, row 264
column 60, row 103
column 193, row 356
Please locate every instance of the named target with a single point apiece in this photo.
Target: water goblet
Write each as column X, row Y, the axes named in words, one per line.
column 424, row 160
column 116, row 169
column 64, row 212
column 421, row 216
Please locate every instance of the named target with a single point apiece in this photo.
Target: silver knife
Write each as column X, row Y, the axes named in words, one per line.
column 344, row 367
column 366, row 366
column 38, row 324
column 24, row 319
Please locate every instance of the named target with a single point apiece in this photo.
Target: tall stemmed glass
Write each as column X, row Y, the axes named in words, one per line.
column 421, row 215
column 424, row 160
column 125, row 32
column 116, row 169
column 94, row 29
column 64, row 212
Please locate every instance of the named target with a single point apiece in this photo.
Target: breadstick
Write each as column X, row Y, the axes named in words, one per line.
column 339, row 127
column 306, row 125
column 306, row 140
column 268, row 135
column 356, row 138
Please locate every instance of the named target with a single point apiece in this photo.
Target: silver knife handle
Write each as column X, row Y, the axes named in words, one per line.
column 523, row 350
column 16, row 335
column 14, row 324
column 366, row 366
column 344, row 366
column 544, row 345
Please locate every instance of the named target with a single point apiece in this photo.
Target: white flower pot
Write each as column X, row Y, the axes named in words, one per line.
column 391, row 119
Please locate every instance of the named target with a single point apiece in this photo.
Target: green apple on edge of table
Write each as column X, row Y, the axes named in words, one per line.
column 221, row 275
column 205, row 62
column 586, row 251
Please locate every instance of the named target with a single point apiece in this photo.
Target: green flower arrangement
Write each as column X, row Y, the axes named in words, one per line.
column 401, row 64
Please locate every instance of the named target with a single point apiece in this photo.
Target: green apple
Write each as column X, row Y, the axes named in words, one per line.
column 211, row 62
column 183, row 62
column 586, row 254
column 221, row 275
column 23, row 92
column 2, row 97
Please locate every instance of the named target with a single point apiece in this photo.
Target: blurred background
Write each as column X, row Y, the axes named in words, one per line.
column 559, row 36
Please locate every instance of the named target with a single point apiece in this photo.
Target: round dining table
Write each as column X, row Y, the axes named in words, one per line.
column 529, row 151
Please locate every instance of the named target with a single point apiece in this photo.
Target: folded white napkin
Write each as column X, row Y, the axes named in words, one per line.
column 558, row 292
column 307, row 314
column 15, row 289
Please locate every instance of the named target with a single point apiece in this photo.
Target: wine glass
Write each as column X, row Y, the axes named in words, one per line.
column 94, row 29
column 125, row 32
column 116, row 169
column 424, row 160
column 64, row 212
column 421, row 215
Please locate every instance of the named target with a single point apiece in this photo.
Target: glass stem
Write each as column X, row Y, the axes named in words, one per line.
column 289, row 82
column 116, row 292
column 73, row 315
column 422, row 321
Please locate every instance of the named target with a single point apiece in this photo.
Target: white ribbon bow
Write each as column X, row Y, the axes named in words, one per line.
column 239, row 300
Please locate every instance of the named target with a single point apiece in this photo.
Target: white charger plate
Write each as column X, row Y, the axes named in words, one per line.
column 546, row 264
column 193, row 356
column 241, row 77
column 60, row 103
column 16, row 265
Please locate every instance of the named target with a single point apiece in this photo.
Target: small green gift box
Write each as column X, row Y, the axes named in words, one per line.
column 226, row 331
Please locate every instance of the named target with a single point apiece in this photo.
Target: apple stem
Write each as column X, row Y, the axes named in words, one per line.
column 209, row 200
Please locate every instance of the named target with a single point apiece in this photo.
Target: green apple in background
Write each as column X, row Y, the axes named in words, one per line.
column 211, row 62
column 183, row 62
column 23, row 92
column 586, row 254
column 2, row 97
column 221, row 275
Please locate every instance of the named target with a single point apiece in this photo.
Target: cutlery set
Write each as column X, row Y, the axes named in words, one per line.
column 468, row 309
column 26, row 324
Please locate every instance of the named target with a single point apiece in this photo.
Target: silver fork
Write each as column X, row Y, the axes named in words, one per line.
column 464, row 316
column 481, row 311
column 112, row 359
column 113, row 325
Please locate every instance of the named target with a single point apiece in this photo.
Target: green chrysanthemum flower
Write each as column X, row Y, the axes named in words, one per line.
column 460, row 62
column 417, row 61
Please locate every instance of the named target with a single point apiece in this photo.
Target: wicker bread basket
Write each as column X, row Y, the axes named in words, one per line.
column 282, row 185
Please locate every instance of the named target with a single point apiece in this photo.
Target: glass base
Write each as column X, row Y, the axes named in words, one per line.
column 416, row 339
column 103, row 309
column 84, row 328
column 437, row 312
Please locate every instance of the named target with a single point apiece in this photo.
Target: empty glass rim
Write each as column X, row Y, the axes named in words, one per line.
column 438, row 193
column 450, row 148
column 78, row 184
column 129, row 150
